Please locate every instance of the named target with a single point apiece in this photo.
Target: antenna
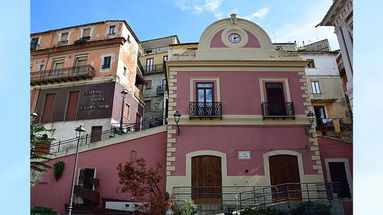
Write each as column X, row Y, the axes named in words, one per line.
column 275, row 40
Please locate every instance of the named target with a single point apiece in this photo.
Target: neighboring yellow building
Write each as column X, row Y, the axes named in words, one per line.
column 152, row 58
column 327, row 94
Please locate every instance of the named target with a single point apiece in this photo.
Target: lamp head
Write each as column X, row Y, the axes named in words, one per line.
column 124, row 92
column 80, row 129
column 177, row 116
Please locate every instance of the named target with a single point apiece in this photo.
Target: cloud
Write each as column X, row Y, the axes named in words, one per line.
column 261, row 13
column 305, row 30
column 199, row 6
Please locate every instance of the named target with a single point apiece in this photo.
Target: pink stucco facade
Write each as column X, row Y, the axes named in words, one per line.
column 231, row 139
column 54, row 194
column 240, row 91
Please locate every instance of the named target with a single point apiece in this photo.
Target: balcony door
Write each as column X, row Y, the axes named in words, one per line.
column 205, row 98
column 275, row 99
column 58, row 66
column 80, row 65
column 320, row 115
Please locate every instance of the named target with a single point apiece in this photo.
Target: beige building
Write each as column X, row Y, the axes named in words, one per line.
column 340, row 16
column 327, row 94
column 152, row 60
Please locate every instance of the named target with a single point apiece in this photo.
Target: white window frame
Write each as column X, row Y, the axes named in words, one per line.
column 315, row 88
column 313, row 63
column 103, row 62
column 347, row 169
column 38, row 42
column 82, row 31
column 114, row 30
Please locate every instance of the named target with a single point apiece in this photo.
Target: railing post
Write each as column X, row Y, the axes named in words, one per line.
column 59, row 146
column 255, row 202
column 264, row 196
column 308, row 192
column 86, row 139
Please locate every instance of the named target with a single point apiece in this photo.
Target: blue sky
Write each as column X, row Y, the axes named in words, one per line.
column 288, row 19
column 284, row 21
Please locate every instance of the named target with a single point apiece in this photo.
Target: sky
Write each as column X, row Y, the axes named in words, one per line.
column 189, row 18
column 289, row 20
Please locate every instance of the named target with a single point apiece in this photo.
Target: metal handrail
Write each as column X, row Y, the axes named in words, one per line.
column 66, row 72
column 154, row 68
column 281, row 110
column 293, row 192
column 205, row 109
column 128, row 128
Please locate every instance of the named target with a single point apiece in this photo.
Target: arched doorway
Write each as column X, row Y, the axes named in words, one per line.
column 284, row 178
column 206, row 179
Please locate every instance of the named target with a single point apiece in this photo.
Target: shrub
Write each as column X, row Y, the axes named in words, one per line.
column 307, row 208
column 186, row 208
column 59, row 169
column 262, row 210
column 38, row 210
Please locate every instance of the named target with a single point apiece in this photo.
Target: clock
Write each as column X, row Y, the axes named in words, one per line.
column 234, row 38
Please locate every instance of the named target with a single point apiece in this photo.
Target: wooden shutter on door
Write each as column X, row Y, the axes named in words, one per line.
column 72, row 105
column 206, row 180
column 48, row 107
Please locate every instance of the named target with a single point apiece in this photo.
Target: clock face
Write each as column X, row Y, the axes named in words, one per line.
column 234, row 38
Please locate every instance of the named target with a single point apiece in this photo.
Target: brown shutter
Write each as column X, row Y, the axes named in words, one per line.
column 48, row 107
column 72, row 105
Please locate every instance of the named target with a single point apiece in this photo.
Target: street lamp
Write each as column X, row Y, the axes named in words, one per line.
column 79, row 129
column 34, row 116
column 177, row 117
column 310, row 115
column 123, row 93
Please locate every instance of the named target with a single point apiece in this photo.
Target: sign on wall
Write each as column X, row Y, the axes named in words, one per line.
column 244, row 155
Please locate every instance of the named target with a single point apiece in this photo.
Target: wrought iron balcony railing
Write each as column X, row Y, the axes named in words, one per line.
column 63, row 75
column 205, row 109
column 278, row 110
column 154, row 68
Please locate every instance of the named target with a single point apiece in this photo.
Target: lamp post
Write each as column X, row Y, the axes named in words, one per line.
column 310, row 115
column 79, row 129
column 177, row 117
column 123, row 93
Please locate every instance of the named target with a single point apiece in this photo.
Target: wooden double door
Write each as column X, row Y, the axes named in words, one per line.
column 206, row 180
column 284, row 176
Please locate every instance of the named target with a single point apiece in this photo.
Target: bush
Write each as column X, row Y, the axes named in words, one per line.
column 307, row 208
column 262, row 210
column 38, row 210
column 186, row 208
column 59, row 169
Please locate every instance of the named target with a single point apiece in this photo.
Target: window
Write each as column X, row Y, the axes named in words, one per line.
column 126, row 111
column 34, row 43
column 48, row 107
column 148, row 84
column 279, row 48
column 204, row 92
column 148, row 105
column 71, row 109
column 80, row 64
column 311, row 63
column 315, row 87
column 106, row 62
column 64, row 36
column 165, row 58
column 41, row 67
column 275, row 99
column 58, row 65
column 149, row 64
column 124, row 72
column 86, row 33
column 112, row 29
column 163, row 84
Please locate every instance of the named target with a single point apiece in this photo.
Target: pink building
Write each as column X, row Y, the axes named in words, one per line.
column 243, row 132
column 78, row 73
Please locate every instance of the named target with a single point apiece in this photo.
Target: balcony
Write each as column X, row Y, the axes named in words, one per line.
column 82, row 40
column 63, row 75
column 160, row 90
column 205, row 110
column 278, row 110
column 157, row 68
